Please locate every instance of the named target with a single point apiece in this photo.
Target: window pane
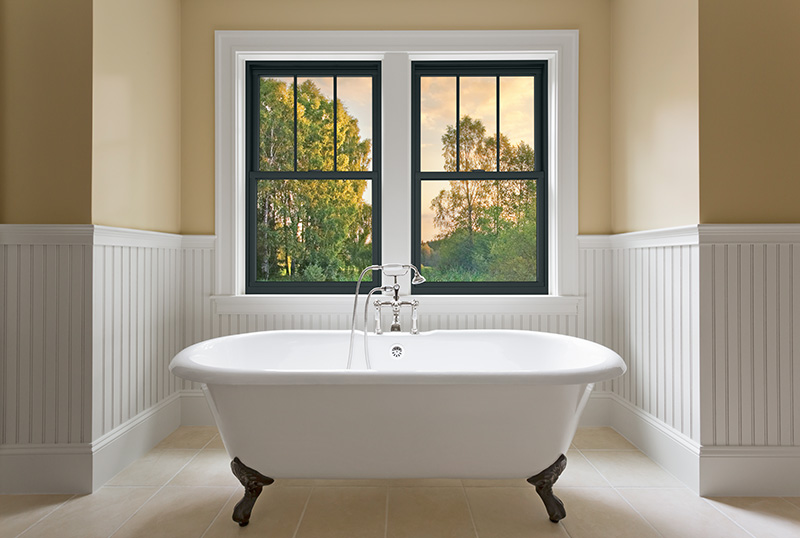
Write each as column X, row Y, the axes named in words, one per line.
column 313, row 230
column 479, row 231
column 516, row 124
column 477, row 141
column 354, row 124
column 315, row 124
column 276, row 124
column 437, row 123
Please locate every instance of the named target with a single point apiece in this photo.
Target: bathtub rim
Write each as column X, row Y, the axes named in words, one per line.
column 183, row 366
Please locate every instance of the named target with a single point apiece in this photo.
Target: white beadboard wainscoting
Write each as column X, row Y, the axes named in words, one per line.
column 750, row 327
column 704, row 316
column 642, row 301
column 90, row 317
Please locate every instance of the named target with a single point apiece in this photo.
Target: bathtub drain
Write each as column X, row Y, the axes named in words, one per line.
column 396, row 351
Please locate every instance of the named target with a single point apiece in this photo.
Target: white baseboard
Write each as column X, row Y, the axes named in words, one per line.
column 29, row 469
column 130, row 441
column 598, row 410
column 714, row 471
column 85, row 467
column 735, row 471
column 195, row 410
column 664, row 445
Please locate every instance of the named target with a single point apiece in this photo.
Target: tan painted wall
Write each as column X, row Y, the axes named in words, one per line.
column 136, row 169
column 750, row 111
column 654, row 106
column 45, row 111
column 201, row 17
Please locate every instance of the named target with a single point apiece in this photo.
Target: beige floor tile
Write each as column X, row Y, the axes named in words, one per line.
column 677, row 513
column 765, row 517
column 510, row 513
column 176, row 512
column 630, row 468
column 155, row 468
column 211, row 467
column 600, row 439
column 580, row 473
column 18, row 512
column 352, row 512
column 276, row 514
column 189, row 437
column 601, row 513
column 428, row 513
column 92, row 516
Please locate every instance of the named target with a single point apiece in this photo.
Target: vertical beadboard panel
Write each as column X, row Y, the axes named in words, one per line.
column 137, row 330
column 638, row 302
column 44, row 333
column 752, row 351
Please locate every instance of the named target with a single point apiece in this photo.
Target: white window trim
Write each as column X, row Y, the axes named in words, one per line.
column 397, row 50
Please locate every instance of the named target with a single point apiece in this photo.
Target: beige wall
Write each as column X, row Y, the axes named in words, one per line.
column 45, row 111
column 749, row 111
column 201, row 17
column 136, row 169
column 654, row 106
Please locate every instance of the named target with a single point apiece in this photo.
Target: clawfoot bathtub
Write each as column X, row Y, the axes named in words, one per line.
column 441, row 404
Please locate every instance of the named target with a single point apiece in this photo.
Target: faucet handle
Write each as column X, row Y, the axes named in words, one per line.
column 414, row 328
column 378, row 329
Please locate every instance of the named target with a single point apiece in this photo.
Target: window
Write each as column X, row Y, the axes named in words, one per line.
column 480, row 184
column 313, row 177
column 392, row 169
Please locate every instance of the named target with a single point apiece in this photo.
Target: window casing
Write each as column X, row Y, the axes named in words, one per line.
column 396, row 51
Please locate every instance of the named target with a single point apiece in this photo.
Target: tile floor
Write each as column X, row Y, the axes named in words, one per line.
column 184, row 488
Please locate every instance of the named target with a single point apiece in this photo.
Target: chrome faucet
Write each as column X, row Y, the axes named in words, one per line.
column 395, row 303
column 393, row 270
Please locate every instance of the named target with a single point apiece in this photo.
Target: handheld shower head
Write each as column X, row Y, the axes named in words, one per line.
column 418, row 279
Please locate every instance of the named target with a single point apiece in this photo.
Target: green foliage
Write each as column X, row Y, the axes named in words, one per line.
column 310, row 230
column 487, row 228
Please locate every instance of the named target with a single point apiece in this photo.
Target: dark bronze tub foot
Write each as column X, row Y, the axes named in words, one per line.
column 544, row 487
column 253, row 483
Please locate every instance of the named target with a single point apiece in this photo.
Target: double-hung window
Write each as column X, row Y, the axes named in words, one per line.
column 480, row 184
column 313, row 178
column 455, row 151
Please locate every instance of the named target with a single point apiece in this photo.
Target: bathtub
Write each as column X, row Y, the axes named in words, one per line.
column 440, row 404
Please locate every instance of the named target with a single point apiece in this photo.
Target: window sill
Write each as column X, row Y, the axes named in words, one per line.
column 429, row 304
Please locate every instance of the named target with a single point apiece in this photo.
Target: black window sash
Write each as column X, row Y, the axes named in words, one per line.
column 537, row 69
column 256, row 70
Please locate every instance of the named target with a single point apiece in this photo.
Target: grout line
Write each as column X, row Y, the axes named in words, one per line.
column 219, row 512
column 727, row 516
column 637, row 512
column 469, row 509
column 303, row 513
column 46, row 515
column 593, row 467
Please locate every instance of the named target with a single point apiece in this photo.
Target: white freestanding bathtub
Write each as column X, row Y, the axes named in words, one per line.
column 441, row 404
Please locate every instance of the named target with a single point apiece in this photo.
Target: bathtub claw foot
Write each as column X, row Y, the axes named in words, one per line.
column 253, row 483
column 544, row 487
